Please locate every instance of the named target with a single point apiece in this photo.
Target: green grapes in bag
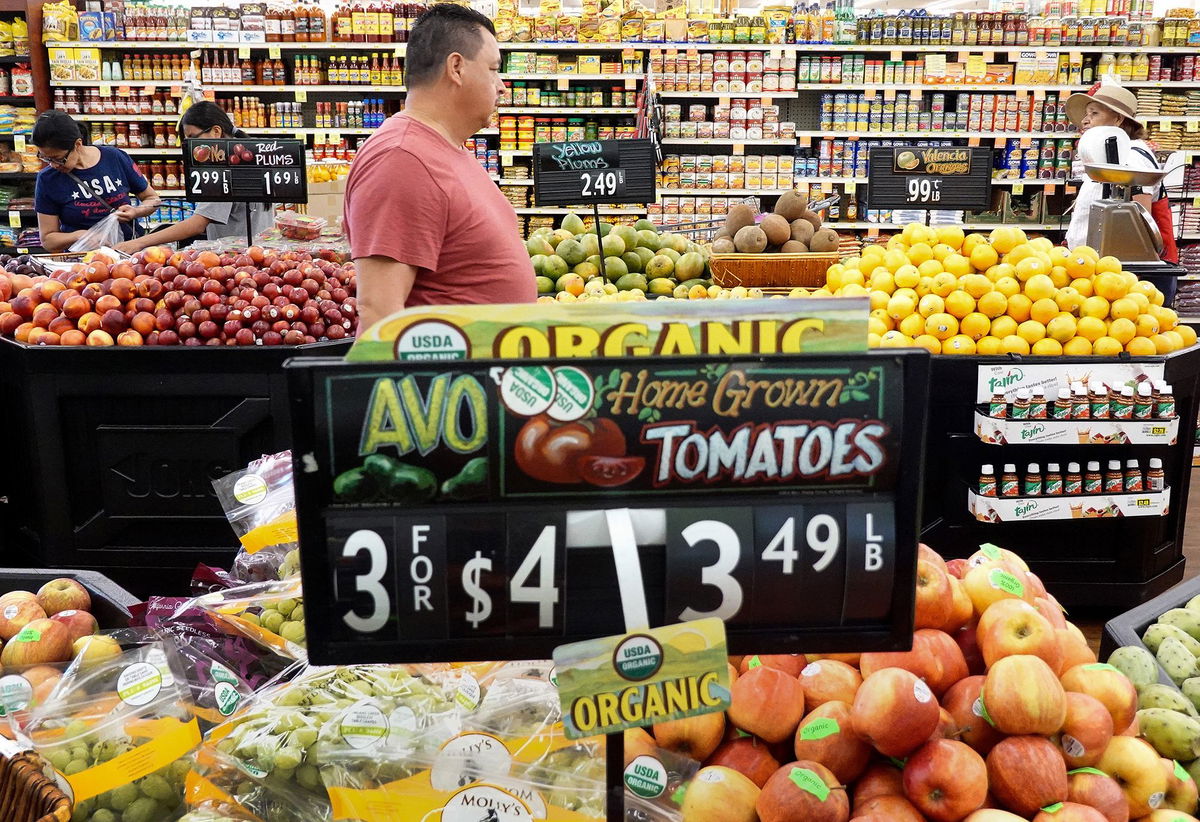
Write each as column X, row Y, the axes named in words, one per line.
column 118, row 736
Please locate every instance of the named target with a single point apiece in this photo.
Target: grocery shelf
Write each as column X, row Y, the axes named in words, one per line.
column 151, row 152
column 520, row 152
column 127, row 118
column 1189, row 235
column 863, row 181
column 698, row 95
column 486, row 131
column 115, row 84
column 510, row 75
column 937, row 87
column 563, row 110
column 16, row 100
column 937, row 135
column 724, row 192
column 281, row 130
column 725, row 141
column 361, row 88
column 1172, row 118
column 610, row 46
column 504, row 181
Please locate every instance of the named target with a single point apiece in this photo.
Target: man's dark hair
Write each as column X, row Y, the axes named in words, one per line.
column 441, row 31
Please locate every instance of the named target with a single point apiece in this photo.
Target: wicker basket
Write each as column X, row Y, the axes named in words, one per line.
column 762, row 270
column 26, row 795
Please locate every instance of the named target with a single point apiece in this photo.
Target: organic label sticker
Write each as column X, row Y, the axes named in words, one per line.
column 468, row 693
column 1055, row 808
column 15, row 693
column 646, row 777
column 1072, row 746
column 574, row 394
column 220, row 673
column 679, row 794
column 990, row 551
column 363, row 725
column 227, row 698
column 28, row 635
column 638, row 657
column 754, row 662
column 158, row 658
column 811, row 669
column 1156, row 799
column 465, row 757
column 820, row 728
column 1095, row 771
column 1180, row 771
column 921, row 691
column 139, row 684
column 527, row 391
column 1004, row 581
column 806, row 780
column 432, row 340
column 250, row 489
column 553, row 677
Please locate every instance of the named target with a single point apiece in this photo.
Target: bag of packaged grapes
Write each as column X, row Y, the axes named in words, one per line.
column 270, row 613
column 260, row 503
column 118, row 736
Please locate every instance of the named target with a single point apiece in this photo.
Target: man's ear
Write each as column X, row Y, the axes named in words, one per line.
column 456, row 66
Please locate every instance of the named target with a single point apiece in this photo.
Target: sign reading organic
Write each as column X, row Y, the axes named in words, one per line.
column 455, row 509
column 680, row 328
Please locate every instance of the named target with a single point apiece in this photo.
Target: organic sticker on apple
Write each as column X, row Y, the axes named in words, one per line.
column 806, row 780
column 139, row 684
column 1002, row 580
column 819, row 729
column 646, row 777
column 1156, row 799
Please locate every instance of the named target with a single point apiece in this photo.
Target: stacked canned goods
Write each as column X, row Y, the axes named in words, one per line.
column 740, row 119
column 1035, row 160
column 488, row 158
column 966, row 111
column 751, row 172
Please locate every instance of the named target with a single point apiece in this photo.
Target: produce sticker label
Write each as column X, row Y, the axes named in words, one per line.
column 609, row 684
column 677, row 328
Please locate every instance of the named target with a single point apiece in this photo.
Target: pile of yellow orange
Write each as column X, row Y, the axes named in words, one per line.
column 952, row 293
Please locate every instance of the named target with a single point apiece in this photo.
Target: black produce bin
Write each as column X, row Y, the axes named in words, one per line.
column 1100, row 566
column 110, row 602
column 114, row 450
column 1127, row 628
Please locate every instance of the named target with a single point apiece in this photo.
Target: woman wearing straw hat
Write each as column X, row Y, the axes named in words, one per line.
column 1108, row 104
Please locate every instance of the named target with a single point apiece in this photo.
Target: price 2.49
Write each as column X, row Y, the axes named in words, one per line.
column 924, row 190
column 602, row 183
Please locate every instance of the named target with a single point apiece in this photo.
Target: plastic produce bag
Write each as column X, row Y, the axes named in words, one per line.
column 260, row 503
column 274, row 741
column 106, row 233
column 115, row 732
column 270, row 613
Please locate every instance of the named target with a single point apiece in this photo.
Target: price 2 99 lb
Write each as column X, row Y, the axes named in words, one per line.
column 414, row 578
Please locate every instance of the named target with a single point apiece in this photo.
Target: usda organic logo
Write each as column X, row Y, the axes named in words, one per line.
column 646, row 777
column 638, row 657
column 432, row 340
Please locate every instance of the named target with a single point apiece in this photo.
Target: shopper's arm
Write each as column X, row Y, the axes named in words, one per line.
column 182, row 230
column 383, row 288
column 52, row 238
column 150, row 203
column 1145, row 199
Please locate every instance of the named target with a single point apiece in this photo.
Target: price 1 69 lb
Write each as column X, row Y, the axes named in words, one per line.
column 428, row 578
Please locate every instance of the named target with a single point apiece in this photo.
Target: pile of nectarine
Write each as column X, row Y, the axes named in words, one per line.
column 999, row 712
column 160, row 297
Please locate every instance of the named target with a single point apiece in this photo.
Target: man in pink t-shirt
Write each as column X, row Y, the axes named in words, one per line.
column 425, row 222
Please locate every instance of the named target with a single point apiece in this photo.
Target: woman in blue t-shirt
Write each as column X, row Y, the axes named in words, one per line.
column 82, row 184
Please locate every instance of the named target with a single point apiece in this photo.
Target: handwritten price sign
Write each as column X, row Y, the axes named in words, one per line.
column 594, row 172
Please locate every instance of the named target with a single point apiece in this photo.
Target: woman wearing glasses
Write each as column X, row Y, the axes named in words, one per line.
column 82, row 184
column 213, row 220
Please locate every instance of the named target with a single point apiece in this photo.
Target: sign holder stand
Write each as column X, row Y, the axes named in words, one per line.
column 249, row 227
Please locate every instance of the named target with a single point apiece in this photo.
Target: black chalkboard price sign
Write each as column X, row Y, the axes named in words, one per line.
column 245, row 169
column 440, row 520
column 949, row 177
column 591, row 172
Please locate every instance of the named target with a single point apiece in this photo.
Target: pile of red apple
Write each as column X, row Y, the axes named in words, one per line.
column 160, row 297
column 1000, row 712
column 46, row 627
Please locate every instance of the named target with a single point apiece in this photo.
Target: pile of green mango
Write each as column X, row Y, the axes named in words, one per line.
column 1168, row 715
column 637, row 257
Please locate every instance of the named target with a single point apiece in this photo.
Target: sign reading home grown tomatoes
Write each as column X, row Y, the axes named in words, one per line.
column 455, row 509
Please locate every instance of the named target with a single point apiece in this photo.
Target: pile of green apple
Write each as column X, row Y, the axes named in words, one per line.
column 630, row 258
column 999, row 713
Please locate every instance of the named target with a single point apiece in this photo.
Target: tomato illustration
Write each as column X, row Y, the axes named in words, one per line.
column 610, row 472
column 551, row 451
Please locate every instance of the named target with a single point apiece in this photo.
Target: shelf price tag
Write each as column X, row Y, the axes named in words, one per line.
column 19, row 143
column 1165, row 126
column 273, row 52
column 244, row 53
column 935, row 65
column 105, row 90
column 564, row 83
column 14, row 219
column 896, row 56
column 301, row 95
column 1018, row 189
column 176, row 91
column 851, row 186
column 1192, row 126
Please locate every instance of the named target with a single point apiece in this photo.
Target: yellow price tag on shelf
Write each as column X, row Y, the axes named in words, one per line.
column 630, row 83
column 889, row 94
column 935, row 65
column 896, row 56
column 273, row 52
column 916, row 94
column 1039, row 94
column 1018, row 188
column 873, row 231
column 973, row 141
column 739, row 149
column 804, row 142
column 1022, row 94
column 1069, row 189
column 976, row 66
column 176, row 91
column 124, row 91
column 14, row 219
column 724, row 101
column 1050, row 189
column 1026, row 142
column 851, row 186
column 1192, row 126
column 19, row 143
column 962, row 57
column 870, row 94
column 299, row 135
column 989, row 56
column 105, row 90
column 766, row 101
column 244, row 53
column 1196, row 202
column 1165, row 126
column 564, row 83
column 301, row 96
